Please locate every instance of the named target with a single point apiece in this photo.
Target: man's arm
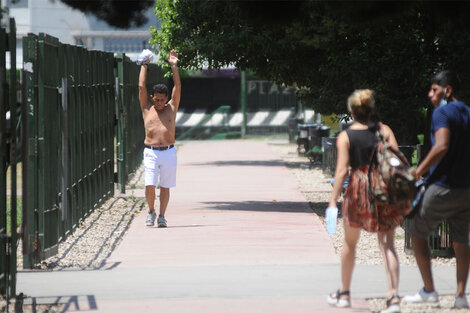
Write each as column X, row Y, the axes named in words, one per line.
column 176, row 92
column 143, row 96
column 437, row 152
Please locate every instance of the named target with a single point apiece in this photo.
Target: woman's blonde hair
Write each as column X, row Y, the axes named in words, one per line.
column 361, row 104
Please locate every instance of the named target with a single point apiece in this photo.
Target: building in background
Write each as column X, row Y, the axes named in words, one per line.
column 268, row 105
column 75, row 27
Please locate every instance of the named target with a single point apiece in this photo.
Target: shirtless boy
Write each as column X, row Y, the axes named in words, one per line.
column 159, row 116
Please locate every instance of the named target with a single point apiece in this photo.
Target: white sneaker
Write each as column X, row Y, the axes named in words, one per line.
column 422, row 296
column 151, row 218
column 460, row 302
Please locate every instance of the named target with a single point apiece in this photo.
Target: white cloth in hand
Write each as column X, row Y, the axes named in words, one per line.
column 145, row 57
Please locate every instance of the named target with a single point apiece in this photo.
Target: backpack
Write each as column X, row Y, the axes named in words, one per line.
column 390, row 176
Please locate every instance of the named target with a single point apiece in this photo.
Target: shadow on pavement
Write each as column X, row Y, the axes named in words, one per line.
column 261, row 206
column 241, row 163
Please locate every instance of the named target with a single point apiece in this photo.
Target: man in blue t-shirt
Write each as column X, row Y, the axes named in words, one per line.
column 447, row 196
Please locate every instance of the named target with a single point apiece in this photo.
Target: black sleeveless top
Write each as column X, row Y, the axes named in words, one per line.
column 361, row 146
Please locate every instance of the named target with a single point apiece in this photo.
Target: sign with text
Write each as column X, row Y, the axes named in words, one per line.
column 263, row 94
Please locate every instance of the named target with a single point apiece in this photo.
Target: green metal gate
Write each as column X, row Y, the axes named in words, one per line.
column 130, row 133
column 8, row 158
column 70, row 134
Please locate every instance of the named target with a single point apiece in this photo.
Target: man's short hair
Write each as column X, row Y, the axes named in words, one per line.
column 447, row 78
column 160, row 88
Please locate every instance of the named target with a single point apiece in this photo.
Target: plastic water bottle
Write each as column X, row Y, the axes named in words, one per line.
column 331, row 216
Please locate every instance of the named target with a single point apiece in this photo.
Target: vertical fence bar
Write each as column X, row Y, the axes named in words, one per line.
column 62, row 192
column 243, row 102
column 8, row 159
column 49, row 144
column 121, row 126
column 13, row 157
column 25, row 77
column 3, row 173
column 64, row 156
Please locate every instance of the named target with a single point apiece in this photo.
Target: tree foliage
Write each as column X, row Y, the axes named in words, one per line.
column 118, row 13
column 327, row 49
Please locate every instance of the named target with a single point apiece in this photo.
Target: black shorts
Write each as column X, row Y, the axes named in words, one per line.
column 439, row 204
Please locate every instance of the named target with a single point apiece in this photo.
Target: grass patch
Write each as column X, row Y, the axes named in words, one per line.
column 421, row 138
column 19, row 181
column 19, row 212
column 414, row 159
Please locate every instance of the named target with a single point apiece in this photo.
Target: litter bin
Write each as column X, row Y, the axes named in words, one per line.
column 314, row 139
column 324, row 131
column 315, row 135
column 302, row 137
column 439, row 241
column 328, row 146
column 292, row 127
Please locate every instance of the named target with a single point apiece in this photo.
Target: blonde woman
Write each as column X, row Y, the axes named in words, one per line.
column 354, row 150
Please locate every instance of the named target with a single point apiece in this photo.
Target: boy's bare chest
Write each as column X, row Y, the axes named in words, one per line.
column 154, row 118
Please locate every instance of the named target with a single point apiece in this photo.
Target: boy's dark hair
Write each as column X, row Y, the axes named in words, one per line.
column 160, row 88
column 447, row 78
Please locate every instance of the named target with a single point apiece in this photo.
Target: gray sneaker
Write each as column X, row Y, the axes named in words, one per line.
column 460, row 302
column 161, row 221
column 151, row 218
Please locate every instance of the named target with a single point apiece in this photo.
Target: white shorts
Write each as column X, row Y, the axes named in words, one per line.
column 163, row 163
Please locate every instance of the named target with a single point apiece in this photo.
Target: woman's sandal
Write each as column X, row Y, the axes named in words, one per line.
column 335, row 299
column 392, row 307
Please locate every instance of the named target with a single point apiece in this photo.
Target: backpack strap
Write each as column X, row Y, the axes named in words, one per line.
column 379, row 133
column 369, row 192
column 373, row 160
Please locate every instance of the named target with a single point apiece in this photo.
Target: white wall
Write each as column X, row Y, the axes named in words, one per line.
column 61, row 21
column 45, row 16
column 56, row 19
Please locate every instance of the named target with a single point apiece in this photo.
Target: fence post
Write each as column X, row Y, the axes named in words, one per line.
column 30, row 168
column 25, row 220
column 64, row 156
column 8, row 159
column 243, row 102
column 3, row 174
column 121, row 142
column 13, row 157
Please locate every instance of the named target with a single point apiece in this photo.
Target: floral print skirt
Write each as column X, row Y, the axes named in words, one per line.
column 356, row 206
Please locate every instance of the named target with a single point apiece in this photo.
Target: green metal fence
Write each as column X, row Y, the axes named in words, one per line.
column 70, row 135
column 8, row 143
column 130, row 134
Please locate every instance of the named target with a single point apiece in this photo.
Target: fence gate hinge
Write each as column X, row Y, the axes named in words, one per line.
column 36, row 242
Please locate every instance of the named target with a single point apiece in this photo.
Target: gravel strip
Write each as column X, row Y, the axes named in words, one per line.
column 316, row 188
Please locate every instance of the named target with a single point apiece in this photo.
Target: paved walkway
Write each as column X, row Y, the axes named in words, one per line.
column 241, row 238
